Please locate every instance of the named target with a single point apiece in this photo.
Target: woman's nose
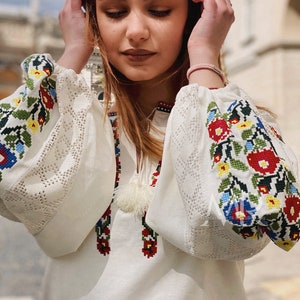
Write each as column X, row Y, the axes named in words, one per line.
column 137, row 29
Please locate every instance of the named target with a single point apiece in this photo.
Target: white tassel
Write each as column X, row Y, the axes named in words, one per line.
column 134, row 197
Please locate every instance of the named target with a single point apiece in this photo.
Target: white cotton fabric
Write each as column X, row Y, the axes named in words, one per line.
column 65, row 183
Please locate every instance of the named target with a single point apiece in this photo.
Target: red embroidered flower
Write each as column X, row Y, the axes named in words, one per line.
column 145, row 232
column 218, row 130
column 47, row 99
column 103, row 246
column 292, row 208
column 264, row 161
column 150, row 248
column 7, row 158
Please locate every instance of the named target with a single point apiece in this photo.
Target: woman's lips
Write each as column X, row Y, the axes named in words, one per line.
column 138, row 55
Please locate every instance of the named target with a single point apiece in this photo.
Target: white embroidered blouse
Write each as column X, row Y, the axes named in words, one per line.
column 58, row 162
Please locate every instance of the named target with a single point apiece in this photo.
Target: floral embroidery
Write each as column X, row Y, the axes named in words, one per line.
column 102, row 227
column 28, row 112
column 257, row 190
column 7, row 158
column 264, row 162
column 241, row 212
column 103, row 232
column 292, row 208
column 218, row 130
column 149, row 236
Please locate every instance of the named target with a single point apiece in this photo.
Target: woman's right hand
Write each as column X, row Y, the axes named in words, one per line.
column 208, row 35
column 78, row 48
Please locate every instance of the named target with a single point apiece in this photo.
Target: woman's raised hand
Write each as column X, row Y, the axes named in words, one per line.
column 209, row 33
column 78, row 48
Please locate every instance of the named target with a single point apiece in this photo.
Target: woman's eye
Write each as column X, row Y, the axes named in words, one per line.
column 160, row 13
column 116, row 14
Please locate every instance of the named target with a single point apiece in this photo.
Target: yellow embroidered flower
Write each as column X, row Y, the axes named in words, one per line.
column 33, row 125
column 223, row 168
column 37, row 73
column 272, row 202
column 285, row 245
column 16, row 101
column 244, row 125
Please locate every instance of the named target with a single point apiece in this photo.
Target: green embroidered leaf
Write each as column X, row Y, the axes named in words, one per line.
column 237, row 148
column 224, row 185
column 274, row 225
column 211, row 105
column 247, row 134
column 260, row 144
column 290, row 176
column 225, row 116
column 26, row 138
column 5, row 106
column 21, row 114
column 11, row 141
column 237, row 192
column 238, row 165
column 253, row 198
column 212, row 150
column 31, row 100
column 30, row 83
column 273, row 220
column 255, row 179
column 52, row 82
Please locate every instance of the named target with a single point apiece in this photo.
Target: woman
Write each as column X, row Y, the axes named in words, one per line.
column 164, row 191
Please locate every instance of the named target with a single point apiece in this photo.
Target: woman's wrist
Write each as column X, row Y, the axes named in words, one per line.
column 75, row 59
column 206, row 67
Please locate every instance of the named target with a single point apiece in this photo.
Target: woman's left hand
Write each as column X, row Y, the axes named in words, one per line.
column 209, row 33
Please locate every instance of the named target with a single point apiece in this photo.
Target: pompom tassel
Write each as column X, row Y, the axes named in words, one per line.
column 134, row 197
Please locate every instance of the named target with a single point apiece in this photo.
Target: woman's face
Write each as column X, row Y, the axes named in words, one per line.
column 142, row 38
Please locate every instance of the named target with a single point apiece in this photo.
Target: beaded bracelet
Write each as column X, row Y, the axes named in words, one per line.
column 211, row 67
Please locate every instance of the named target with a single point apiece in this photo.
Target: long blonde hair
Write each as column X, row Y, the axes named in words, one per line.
column 130, row 116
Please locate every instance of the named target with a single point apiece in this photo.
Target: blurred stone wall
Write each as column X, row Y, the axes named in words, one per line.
column 21, row 34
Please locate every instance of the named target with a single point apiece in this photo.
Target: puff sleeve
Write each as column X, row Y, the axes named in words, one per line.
column 228, row 181
column 56, row 156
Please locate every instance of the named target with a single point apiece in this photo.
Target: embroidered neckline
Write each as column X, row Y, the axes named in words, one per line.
column 102, row 228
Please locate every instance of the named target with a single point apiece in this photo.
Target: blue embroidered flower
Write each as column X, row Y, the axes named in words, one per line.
column 211, row 115
column 225, row 197
column 20, row 147
column 249, row 145
column 7, row 158
column 239, row 213
column 293, row 189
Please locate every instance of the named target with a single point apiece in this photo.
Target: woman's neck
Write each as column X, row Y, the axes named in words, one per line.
column 148, row 94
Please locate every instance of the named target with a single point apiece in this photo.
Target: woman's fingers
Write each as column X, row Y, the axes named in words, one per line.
column 73, row 25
